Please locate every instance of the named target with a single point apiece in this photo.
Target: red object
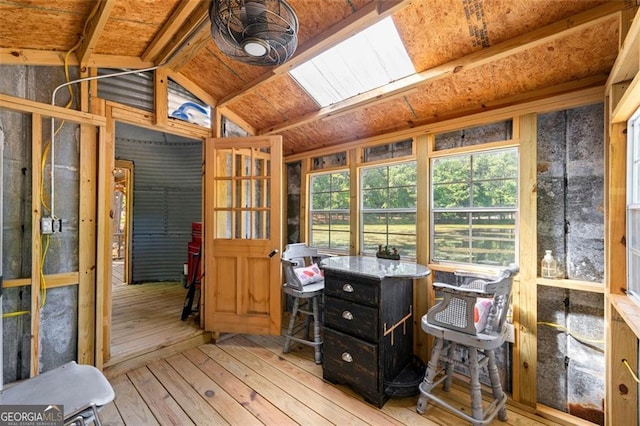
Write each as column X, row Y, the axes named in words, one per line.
column 193, row 250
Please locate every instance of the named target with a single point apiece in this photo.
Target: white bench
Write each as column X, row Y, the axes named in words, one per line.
column 81, row 389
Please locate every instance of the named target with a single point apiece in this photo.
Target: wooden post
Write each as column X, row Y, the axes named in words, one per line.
column 421, row 300
column 87, row 237
column 36, row 242
column 106, row 148
column 525, row 299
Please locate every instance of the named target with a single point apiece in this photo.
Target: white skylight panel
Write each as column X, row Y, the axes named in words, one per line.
column 366, row 61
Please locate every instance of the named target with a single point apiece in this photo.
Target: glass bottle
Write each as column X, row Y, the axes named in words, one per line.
column 549, row 266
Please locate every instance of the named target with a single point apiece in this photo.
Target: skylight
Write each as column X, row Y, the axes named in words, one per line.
column 370, row 59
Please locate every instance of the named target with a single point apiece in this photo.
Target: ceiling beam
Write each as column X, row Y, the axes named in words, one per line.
column 181, row 35
column 190, row 48
column 476, row 59
column 11, row 56
column 172, row 26
column 93, row 29
column 363, row 18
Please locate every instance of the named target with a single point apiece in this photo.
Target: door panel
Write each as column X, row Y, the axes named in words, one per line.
column 242, row 228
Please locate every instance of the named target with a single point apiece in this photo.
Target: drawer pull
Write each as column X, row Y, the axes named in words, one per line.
column 348, row 288
column 346, row 357
column 347, row 315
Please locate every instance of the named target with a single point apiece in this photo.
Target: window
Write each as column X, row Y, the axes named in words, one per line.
column 370, row 59
column 633, row 207
column 329, row 223
column 474, row 207
column 389, row 208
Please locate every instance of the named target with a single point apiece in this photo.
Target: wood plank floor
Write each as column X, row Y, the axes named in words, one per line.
column 248, row 380
column 146, row 318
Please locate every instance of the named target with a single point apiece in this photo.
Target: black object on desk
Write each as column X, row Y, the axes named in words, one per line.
column 368, row 325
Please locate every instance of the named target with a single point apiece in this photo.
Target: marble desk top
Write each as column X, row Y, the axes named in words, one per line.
column 375, row 267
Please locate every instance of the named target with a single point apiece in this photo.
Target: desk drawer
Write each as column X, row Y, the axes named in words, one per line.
column 355, row 290
column 357, row 320
column 350, row 360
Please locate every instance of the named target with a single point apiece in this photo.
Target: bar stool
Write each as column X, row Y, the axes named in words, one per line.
column 305, row 283
column 470, row 315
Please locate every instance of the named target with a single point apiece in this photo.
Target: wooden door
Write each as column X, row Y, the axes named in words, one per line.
column 242, row 237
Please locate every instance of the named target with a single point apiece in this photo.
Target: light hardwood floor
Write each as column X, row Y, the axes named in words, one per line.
column 146, row 319
column 246, row 380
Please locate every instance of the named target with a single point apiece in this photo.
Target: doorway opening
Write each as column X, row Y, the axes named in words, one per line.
column 158, row 195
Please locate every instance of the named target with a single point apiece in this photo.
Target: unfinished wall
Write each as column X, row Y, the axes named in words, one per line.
column 571, row 223
column 58, row 321
column 167, row 198
column 294, row 185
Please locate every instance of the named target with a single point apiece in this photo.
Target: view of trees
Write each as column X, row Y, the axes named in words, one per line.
column 474, row 206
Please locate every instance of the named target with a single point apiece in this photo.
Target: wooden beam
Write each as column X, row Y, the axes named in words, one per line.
column 622, row 390
column 189, row 48
column 11, row 56
column 364, row 17
column 106, row 158
column 87, row 234
column 628, row 61
column 53, row 280
column 94, row 27
column 174, row 33
column 36, row 242
column 525, row 299
column 476, row 59
column 46, row 110
column 161, row 97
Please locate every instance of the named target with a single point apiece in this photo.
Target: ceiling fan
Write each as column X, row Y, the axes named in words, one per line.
column 258, row 32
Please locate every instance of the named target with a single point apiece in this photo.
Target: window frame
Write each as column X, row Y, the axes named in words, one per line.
column 470, row 152
column 633, row 205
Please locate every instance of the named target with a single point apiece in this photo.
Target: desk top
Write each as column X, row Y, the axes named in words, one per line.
column 374, row 267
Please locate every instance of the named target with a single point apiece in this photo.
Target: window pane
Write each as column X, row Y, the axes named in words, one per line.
column 495, row 193
column 223, row 193
column 321, row 201
column 494, row 165
column 451, row 237
column 451, row 169
column 320, row 183
column 374, row 178
column 374, row 198
column 451, row 195
column 402, row 198
column 493, row 238
column 223, row 224
column 340, row 200
column 634, row 229
column 320, row 220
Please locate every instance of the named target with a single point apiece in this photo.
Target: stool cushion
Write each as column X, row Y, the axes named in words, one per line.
column 309, row 274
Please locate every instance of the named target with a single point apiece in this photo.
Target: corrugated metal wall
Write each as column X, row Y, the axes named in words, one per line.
column 167, row 198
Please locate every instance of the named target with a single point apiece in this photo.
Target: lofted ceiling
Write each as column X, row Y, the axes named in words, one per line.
column 470, row 56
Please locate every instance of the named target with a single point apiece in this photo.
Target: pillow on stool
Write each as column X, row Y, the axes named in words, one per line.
column 309, row 274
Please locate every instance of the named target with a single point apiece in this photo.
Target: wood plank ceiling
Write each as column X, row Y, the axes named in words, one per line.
column 470, row 55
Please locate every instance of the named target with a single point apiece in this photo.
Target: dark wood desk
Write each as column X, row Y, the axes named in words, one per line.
column 368, row 322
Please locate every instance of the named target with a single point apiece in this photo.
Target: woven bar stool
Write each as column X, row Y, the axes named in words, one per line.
column 472, row 315
column 305, row 283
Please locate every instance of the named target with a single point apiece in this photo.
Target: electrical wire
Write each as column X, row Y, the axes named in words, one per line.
column 635, row 377
column 45, row 153
column 571, row 333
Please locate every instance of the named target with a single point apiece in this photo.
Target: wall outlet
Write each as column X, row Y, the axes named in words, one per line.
column 510, row 333
column 46, row 225
column 57, row 225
